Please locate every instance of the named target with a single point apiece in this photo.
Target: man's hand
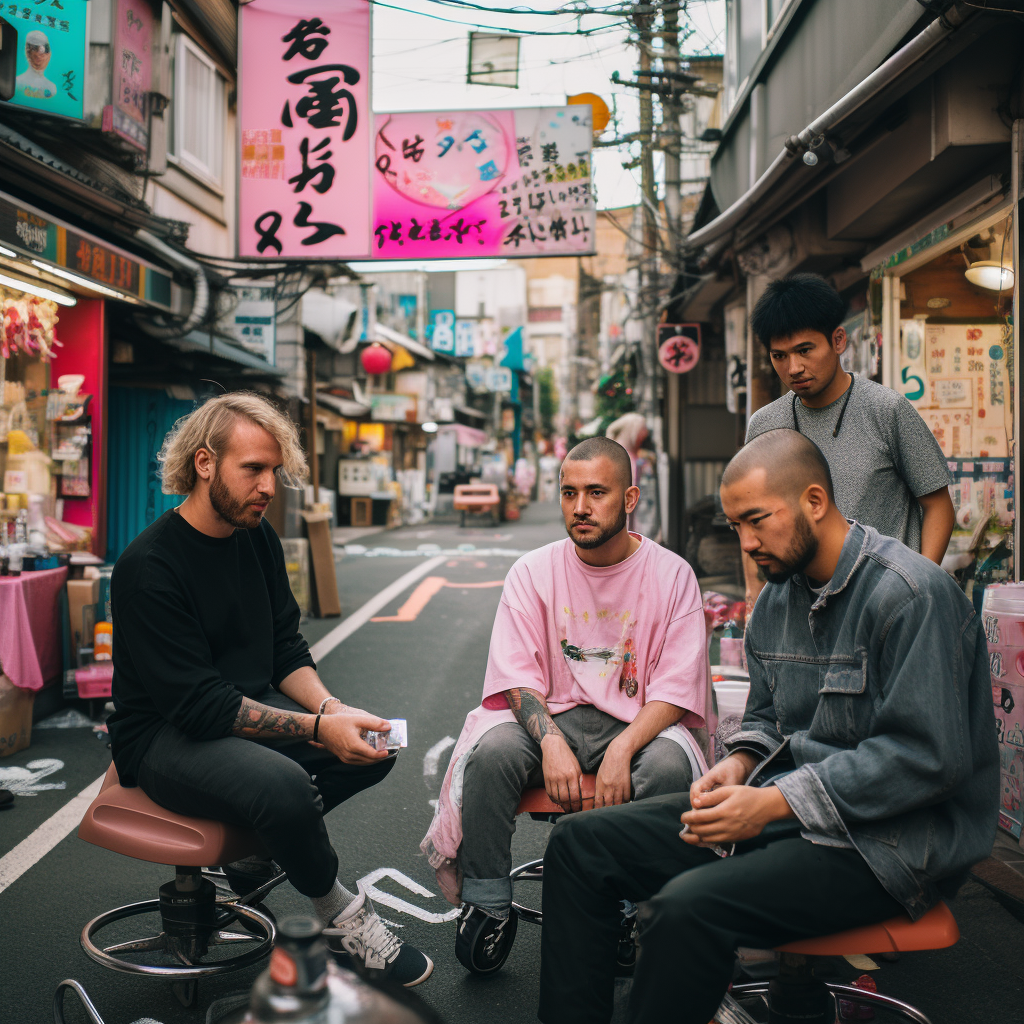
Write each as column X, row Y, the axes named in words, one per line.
column 614, row 782
column 563, row 779
column 340, row 735
column 730, row 814
column 733, row 770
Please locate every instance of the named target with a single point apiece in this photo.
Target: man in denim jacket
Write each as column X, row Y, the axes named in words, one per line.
column 863, row 784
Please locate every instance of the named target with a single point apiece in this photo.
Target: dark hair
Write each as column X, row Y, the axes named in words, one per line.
column 793, row 462
column 595, row 447
column 800, row 302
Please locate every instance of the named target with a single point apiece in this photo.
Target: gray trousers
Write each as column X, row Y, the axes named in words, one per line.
column 507, row 760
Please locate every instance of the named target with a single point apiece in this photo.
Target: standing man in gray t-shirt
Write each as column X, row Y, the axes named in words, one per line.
column 887, row 468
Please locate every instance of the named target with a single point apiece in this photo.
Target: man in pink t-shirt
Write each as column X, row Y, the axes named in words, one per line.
column 598, row 650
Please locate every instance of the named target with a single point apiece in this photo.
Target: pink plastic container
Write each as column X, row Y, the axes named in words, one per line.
column 94, row 680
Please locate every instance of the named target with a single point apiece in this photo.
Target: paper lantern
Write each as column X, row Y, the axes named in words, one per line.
column 376, row 358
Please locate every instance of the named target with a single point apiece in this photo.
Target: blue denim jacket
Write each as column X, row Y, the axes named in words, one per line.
column 872, row 706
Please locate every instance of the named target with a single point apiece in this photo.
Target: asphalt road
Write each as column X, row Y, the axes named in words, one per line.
column 424, row 663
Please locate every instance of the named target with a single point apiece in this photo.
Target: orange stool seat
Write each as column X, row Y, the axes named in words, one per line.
column 126, row 821
column 537, row 801
column 935, row 930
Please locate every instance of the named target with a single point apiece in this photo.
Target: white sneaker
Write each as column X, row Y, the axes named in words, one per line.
column 358, row 938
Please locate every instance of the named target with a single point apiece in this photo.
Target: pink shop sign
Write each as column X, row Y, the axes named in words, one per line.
column 304, row 125
column 483, row 183
column 128, row 114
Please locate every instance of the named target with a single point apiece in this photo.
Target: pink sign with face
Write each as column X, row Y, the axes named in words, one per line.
column 304, row 119
column 483, row 183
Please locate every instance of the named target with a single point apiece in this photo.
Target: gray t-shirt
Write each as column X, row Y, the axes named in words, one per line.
column 883, row 459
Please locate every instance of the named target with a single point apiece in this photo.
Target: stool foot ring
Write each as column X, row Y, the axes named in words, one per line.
column 190, row 968
column 531, row 871
column 846, row 992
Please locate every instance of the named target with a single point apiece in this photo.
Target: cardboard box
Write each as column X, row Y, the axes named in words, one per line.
column 82, row 596
column 15, row 717
column 321, row 550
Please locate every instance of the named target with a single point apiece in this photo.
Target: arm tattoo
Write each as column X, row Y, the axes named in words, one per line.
column 532, row 713
column 257, row 721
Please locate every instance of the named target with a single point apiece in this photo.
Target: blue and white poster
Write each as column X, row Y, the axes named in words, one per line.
column 49, row 40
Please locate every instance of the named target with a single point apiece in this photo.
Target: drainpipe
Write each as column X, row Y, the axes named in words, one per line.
column 797, row 145
column 200, row 294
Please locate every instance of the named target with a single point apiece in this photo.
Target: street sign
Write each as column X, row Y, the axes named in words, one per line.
column 678, row 347
column 465, row 338
column 442, row 331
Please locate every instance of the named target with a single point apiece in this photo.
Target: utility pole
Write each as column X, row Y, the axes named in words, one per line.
column 671, row 142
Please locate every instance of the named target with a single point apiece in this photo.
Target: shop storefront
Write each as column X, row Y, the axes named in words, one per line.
column 948, row 346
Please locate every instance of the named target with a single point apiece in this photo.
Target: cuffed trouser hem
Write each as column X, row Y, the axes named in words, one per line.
column 491, row 895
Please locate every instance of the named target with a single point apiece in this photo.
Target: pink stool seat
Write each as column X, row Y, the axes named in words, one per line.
column 935, row 930
column 126, row 821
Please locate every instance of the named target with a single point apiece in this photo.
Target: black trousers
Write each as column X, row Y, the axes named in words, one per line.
column 281, row 791
column 699, row 908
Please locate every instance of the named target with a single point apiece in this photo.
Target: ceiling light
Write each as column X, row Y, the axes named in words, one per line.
column 34, row 288
column 82, row 282
column 9, row 253
column 991, row 275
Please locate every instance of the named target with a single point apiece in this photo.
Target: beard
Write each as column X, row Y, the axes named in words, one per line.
column 233, row 511
column 601, row 536
column 800, row 554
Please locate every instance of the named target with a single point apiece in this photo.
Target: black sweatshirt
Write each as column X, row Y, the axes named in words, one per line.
column 198, row 622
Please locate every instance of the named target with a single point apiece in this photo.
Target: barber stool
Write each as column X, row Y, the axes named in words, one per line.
column 194, row 919
column 540, row 807
column 798, row 993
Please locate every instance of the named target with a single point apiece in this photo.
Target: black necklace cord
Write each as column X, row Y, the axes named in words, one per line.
column 842, row 412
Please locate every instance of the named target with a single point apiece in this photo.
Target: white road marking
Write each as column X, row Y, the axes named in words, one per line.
column 463, row 550
column 433, row 755
column 39, row 843
column 362, row 615
column 367, row 885
column 25, row 781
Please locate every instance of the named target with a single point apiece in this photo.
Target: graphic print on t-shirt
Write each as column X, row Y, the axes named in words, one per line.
column 598, row 644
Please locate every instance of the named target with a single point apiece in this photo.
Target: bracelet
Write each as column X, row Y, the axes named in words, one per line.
column 316, row 727
column 325, row 702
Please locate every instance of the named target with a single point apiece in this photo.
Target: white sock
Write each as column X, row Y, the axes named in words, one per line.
column 328, row 907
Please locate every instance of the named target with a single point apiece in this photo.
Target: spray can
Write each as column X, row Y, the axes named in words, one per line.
column 294, row 986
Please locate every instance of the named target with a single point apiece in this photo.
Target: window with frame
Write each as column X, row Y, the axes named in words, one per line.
column 199, row 98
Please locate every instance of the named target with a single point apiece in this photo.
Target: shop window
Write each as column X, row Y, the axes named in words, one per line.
column 197, row 142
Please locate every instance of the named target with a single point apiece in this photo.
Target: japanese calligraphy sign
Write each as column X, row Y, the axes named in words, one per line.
column 132, row 59
column 304, row 117
column 483, row 183
column 678, row 347
column 50, row 41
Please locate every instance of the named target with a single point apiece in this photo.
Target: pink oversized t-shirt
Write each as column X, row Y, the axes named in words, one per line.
column 614, row 636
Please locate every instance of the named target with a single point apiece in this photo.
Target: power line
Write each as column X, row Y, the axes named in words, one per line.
column 497, row 28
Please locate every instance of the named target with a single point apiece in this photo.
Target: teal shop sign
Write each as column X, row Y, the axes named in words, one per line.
column 49, row 40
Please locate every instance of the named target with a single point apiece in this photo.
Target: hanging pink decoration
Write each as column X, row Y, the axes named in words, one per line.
column 376, row 358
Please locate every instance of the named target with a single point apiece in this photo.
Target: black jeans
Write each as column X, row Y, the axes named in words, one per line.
column 775, row 889
column 281, row 791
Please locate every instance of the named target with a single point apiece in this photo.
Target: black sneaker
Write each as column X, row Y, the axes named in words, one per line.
column 358, row 939
column 482, row 942
column 626, row 954
column 246, row 876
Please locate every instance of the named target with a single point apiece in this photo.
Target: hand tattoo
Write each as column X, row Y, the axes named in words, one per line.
column 257, row 721
column 532, row 713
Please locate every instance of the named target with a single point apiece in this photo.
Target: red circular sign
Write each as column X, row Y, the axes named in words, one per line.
column 679, row 353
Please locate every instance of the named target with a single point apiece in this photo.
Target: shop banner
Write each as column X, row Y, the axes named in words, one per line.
column 484, row 183
column 304, row 119
column 50, row 39
column 37, row 236
column 134, row 31
column 253, row 321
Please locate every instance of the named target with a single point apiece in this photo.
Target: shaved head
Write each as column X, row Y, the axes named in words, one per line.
column 596, row 447
column 791, row 463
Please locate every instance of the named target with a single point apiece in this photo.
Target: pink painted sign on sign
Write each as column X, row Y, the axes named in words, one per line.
column 483, row 183
column 304, row 119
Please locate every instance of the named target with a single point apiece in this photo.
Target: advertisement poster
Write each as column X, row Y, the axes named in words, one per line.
column 956, row 376
column 486, row 183
column 51, row 40
column 134, row 27
column 304, row 120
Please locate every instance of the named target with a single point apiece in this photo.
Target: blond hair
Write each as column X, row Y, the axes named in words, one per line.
column 210, row 427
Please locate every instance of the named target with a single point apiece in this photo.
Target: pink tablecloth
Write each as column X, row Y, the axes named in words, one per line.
column 30, row 653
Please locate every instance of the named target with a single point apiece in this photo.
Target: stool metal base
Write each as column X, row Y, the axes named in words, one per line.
column 845, row 992
column 531, row 871
column 263, row 935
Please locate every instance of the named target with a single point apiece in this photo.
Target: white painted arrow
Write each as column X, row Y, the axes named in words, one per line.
column 367, row 885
